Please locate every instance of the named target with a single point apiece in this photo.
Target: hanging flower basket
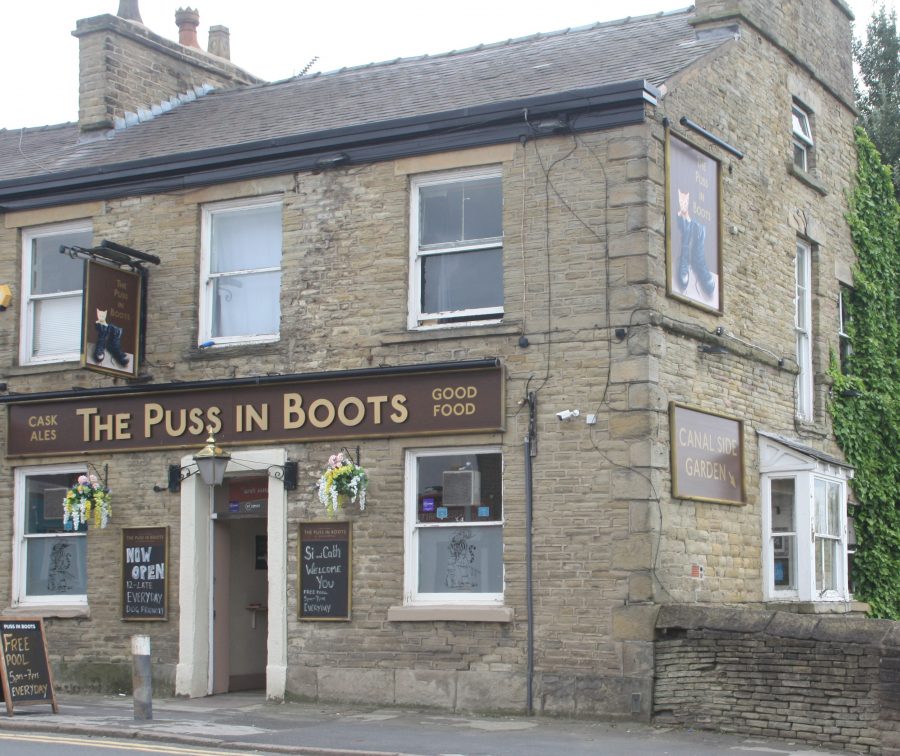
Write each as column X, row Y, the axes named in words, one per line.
column 343, row 481
column 87, row 497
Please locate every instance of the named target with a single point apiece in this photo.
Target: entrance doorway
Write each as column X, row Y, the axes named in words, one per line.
column 240, row 586
column 218, row 533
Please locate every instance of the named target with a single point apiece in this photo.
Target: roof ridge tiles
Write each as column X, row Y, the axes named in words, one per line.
column 481, row 46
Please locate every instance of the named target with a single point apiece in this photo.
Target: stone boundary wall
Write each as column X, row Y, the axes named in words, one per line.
column 827, row 680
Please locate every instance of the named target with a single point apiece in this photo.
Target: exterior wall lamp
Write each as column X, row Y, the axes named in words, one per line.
column 212, row 461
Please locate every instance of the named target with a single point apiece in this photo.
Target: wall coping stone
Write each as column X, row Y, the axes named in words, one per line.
column 838, row 629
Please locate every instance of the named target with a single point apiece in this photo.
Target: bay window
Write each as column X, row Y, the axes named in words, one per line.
column 804, row 495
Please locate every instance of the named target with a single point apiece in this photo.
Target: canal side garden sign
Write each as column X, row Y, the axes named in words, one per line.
column 707, row 453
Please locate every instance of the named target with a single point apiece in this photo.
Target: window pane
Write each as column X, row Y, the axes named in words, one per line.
column 483, row 209
column 459, row 488
column 461, row 560
column 800, row 123
column 826, row 561
column 784, row 543
column 56, row 566
column 800, row 156
column 246, row 305
column 783, row 505
column 460, row 211
column 52, row 272
column 44, row 496
column 828, row 507
column 834, row 509
column 784, row 563
column 57, row 326
column 246, row 239
column 462, row 280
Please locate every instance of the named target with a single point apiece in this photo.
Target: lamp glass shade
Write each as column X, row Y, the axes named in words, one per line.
column 212, row 462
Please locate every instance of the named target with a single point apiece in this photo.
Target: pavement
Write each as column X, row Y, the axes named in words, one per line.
column 246, row 722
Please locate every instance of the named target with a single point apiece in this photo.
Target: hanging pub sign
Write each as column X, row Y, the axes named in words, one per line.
column 291, row 409
column 24, row 668
column 144, row 566
column 693, row 225
column 111, row 323
column 707, row 453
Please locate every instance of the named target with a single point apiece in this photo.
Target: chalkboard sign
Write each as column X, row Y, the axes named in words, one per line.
column 144, row 567
column 23, row 664
column 324, row 571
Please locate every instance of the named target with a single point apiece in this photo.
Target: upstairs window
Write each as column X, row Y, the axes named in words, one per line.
column 845, row 348
column 456, row 248
column 52, row 285
column 240, row 296
column 803, row 331
column 802, row 139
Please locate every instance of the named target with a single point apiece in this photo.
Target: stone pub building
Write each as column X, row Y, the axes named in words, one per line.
column 568, row 299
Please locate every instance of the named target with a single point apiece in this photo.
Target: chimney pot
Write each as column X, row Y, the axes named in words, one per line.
column 219, row 42
column 128, row 9
column 187, row 20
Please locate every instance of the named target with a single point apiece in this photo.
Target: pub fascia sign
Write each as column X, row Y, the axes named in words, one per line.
column 707, row 453
column 370, row 406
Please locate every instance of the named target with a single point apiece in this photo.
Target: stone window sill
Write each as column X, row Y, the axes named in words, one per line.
column 450, row 613
column 42, row 367
column 75, row 611
column 811, row 181
column 506, row 328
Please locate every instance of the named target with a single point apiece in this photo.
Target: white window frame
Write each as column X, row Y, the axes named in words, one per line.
column 802, row 138
column 207, row 278
column 845, row 346
column 803, row 330
column 781, row 462
column 412, row 596
column 472, row 317
column 20, row 549
column 26, row 326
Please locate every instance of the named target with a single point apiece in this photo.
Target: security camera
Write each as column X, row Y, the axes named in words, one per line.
column 568, row 414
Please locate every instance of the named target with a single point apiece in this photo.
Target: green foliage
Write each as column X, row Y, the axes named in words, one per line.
column 867, row 427
column 879, row 100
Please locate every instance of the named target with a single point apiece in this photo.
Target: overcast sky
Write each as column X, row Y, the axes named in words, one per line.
column 276, row 39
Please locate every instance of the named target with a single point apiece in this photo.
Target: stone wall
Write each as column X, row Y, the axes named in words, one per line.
column 765, row 209
column 817, row 679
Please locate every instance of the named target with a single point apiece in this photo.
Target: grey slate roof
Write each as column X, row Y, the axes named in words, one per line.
column 649, row 47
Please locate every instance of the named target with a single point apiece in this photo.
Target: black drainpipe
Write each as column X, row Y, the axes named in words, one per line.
column 530, row 451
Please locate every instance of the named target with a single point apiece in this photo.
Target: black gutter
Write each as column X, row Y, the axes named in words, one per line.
column 261, row 380
column 587, row 109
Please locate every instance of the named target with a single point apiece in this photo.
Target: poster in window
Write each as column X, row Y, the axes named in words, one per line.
column 111, row 323
column 693, row 225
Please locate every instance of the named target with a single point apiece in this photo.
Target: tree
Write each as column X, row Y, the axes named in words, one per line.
column 878, row 100
column 866, row 400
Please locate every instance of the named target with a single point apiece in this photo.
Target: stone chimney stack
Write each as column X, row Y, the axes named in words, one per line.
column 219, row 42
column 128, row 73
column 188, row 19
column 128, row 9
